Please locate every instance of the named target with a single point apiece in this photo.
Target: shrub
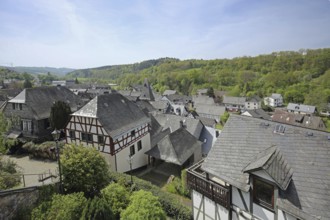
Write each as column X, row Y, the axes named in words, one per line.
column 9, row 175
column 117, row 197
column 45, row 150
column 61, row 207
column 143, row 205
column 170, row 204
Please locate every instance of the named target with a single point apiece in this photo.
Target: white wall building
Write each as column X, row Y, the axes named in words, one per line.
column 116, row 127
column 275, row 100
column 260, row 169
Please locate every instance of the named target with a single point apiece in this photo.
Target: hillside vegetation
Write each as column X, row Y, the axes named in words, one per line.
column 301, row 77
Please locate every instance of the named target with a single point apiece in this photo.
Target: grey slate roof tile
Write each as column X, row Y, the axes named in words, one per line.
column 176, row 147
column 115, row 112
column 41, row 99
column 243, row 138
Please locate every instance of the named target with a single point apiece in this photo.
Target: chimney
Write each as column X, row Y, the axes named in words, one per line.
column 182, row 125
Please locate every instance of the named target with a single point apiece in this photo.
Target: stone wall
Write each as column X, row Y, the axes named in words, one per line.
column 14, row 201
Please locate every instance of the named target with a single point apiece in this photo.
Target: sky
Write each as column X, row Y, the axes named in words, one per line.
column 93, row 33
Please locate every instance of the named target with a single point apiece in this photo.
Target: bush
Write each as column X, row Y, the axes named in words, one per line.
column 97, row 208
column 84, row 170
column 9, row 175
column 117, row 197
column 143, row 205
column 45, row 150
column 61, row 207
column 170, row 204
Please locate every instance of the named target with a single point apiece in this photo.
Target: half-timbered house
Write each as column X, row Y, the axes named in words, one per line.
column 260, row 169
column 116, row 127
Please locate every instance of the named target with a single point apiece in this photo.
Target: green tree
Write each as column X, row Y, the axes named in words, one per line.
column 224, row 118
column 117, row 197
column 59, row 115
column 97, row 208
column 143, row 205
column 27, row 84
column 84, row 170
column 61, row 207
column 9, row 174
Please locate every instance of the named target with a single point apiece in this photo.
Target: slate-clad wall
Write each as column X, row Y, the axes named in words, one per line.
column 12, row 201
column 26, row 113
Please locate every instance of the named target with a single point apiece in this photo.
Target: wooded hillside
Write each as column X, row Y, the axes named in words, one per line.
column 302, row 77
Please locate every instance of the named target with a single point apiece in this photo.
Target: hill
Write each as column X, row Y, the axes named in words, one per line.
column 115, row 71
column 301, row 76
column 41, row 70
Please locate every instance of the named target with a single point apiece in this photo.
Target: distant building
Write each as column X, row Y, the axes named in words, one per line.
column 234, row 103
column 257, row 113
column 302, row 120
column 301, row 109
column 253, row 103
column 275, row 100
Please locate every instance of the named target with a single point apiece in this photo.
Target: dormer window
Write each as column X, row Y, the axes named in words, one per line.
column 263, row 193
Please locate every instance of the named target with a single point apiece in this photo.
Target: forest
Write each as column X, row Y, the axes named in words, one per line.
column 300, row 76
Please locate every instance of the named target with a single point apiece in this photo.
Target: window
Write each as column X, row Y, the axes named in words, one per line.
column 133, row 133
column 27, row 125
column 263, row 193
column 139, row 145
column 72, row 134
column 17, row 106
column 100, row 139
column 132, row 150
column 86, row 137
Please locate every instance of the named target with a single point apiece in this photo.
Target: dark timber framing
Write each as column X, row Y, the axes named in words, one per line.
column 115, row 145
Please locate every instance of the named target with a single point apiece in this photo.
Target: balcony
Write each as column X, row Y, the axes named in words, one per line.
column 196, row 180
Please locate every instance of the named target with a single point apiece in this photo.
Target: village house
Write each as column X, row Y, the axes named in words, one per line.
column 301, row 109
column 179, row 147
column 178, row 103
column 30, row 110
column 257, row 113
column 116, row 127
column 306, row 121
column 260, row 169
column 234, row 103
column 275, row 100
column 253, row 103
column 326, row 111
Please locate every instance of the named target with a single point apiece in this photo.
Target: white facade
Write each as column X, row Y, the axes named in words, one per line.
column 275, row 100
column 250, row 105
column 241, row 204
column 88, row 131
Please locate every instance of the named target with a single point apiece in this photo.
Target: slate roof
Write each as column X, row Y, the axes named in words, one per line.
column 210, row 122
column 273, row 163
column 41, row 99
column 253, row 99
column 257, row 113
column 169, row 92
column 146, row 91
column 145, row 105
column 115, row 112
column 176, row 98
column 276, row 96
column 215, row 110
column 306, row 151
column 202, row 99
column 312, row 122
column 234, row 100
column 194, row 126
column 176, row 147
column 161, row 104
column 308, row 109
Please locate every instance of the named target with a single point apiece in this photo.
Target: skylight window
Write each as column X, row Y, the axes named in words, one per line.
column 280, row 129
